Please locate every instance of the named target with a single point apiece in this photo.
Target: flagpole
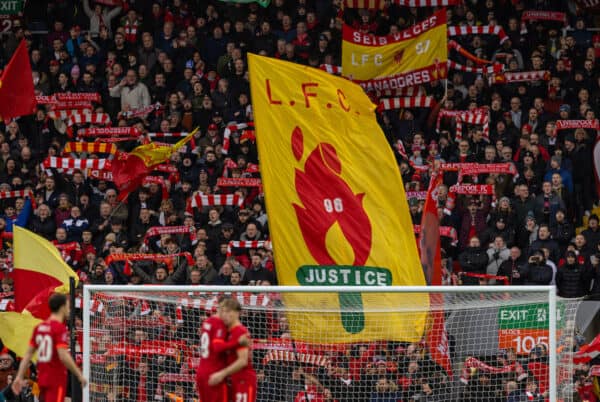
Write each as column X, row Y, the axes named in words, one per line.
column 73, row 339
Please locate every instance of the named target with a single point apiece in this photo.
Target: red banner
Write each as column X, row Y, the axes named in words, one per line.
column 536, row 15
column 80, row 96
column 472, row 189
column 108, row 132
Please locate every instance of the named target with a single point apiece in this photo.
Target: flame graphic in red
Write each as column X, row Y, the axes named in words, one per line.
column 327, row 199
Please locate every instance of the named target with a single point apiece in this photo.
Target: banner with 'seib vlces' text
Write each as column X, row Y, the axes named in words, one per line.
column 326, row 174
column 407, row 58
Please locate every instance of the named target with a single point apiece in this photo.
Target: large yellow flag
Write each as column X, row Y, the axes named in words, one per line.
column 39, row 271
column 408, row 58
column 337, row 209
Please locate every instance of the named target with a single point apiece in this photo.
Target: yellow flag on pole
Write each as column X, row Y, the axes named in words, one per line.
column 415, row 56
column 337, row 209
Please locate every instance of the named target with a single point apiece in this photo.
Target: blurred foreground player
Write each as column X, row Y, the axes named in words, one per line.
column 239, row 369
column 51, row 341
column 213, row 345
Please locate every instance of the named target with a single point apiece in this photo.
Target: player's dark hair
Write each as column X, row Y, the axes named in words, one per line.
column 231, row 304
column 56, row 301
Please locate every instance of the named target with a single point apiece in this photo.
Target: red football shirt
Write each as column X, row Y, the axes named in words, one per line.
column 212, row 339
column 247, row 373
column 47, row 338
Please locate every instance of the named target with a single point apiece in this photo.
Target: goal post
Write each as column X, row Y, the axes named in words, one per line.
column 462, row 342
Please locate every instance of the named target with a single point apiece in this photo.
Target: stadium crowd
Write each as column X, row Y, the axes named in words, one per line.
column 183, row 64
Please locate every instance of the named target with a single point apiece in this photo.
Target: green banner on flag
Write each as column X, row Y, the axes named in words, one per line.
column 11, row 7
column 264, row 3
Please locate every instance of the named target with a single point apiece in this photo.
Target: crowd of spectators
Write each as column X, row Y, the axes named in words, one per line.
column 189, row 58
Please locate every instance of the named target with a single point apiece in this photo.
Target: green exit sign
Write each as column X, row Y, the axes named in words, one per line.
column 527, row 316
column 10, row 7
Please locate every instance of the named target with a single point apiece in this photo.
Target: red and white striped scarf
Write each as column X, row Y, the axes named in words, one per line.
column 227, row 134
column 399, row 103
column 142, row 111
column 89, row 118
column 108, row 132
column 131, row 31
column 521, row 76
column 331, row 69
column 63, row 114
column 247, row 244
column 166, row 258
column 75, row 163
column 238, row 182
column 116, row 139
column 478, row 30
column 474, row 363
column 204, row 200
column 478, row 116
column 406, row 91
column 497, row 67
column 16, row 194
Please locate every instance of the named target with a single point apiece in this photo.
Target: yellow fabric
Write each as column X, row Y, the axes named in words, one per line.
column 34, row 253
column 351, row 218
column 366, row 57
column 93, row 147
column 16, row 329
column 153, row 154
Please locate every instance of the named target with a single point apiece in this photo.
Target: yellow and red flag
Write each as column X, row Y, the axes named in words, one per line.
column 327, row 172
column 17, row 97
column 408, row 58
column 39, row 271
column 129, row 170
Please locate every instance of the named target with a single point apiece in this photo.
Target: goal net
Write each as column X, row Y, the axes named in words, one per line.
column 463, row 344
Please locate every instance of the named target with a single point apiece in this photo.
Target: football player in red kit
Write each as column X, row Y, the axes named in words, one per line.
column 239, row 369
column 213, row 346
column 51, row 341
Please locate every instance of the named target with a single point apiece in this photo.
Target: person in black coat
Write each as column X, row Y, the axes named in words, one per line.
column 561, row 230
column 474, row 259
column 514, row 268
column 573, row 278
column 538, row 272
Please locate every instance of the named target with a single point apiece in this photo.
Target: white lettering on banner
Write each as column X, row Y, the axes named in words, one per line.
column 518, row 315
column 415, row 30
column 362, row 59
column 407, row 80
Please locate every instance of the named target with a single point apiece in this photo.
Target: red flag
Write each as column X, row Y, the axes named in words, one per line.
column 17, row 97
column 588, row 351
column 431, row 259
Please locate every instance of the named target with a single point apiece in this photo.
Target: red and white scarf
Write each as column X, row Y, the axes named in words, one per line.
column 478, row 116
column 166, row 258
column 474, row 363
column 521, row 76
column 238, row 182
column 574, row 124
column 227, row 134
column 540, row 15
column 131, row 31
column 205, row 200
column 399, row 103
column 472, row 169
column 472, row 189
column 380, row 4
column 497, row 67
column 89, row 118
column 331, row 69
column 63, row 114
column 72, row 105
column 79, row 96
column 108, row 132
column 247, row 244
column 75, row 163
column 142, row 111
column 161, row 230
column 478, row 30
column 167, row 135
